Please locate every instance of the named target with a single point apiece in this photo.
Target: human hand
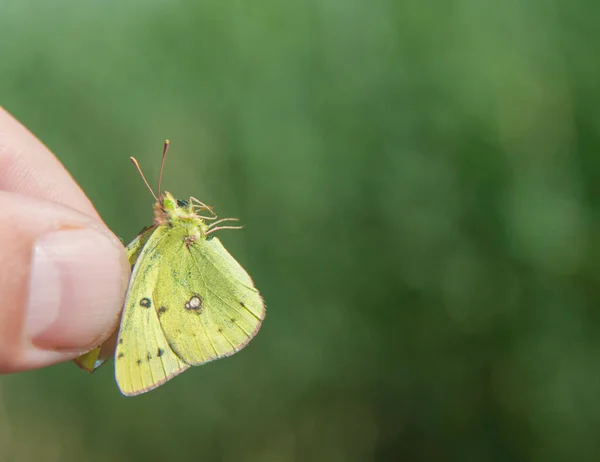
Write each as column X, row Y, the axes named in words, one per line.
column 63, row 274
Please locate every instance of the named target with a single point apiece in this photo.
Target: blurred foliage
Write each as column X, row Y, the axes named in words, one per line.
column 419, row 187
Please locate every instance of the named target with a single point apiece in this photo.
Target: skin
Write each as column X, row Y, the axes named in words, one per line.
column 54, row 304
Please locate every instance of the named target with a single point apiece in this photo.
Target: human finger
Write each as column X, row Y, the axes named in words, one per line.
column 63, row 279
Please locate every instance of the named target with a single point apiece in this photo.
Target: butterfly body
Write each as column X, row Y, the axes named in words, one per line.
column 188, row 302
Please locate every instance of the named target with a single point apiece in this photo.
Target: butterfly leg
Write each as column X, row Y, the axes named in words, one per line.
column 212, row 228
column 221, row 221
column 202, row 206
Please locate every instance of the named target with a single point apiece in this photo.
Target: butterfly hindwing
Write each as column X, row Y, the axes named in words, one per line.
column 143, row 358
column 208, row 306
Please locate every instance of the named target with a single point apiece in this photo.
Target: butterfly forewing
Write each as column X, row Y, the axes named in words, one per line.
column 143, row 358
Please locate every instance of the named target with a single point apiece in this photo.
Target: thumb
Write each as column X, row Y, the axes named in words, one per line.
column 63, row 276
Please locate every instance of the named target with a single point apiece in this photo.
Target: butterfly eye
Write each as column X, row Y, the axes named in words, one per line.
column 182, row 203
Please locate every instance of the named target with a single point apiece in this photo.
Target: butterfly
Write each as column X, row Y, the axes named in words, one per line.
column 188, row 302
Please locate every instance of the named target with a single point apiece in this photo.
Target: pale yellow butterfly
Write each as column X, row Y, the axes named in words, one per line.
column 188, row 302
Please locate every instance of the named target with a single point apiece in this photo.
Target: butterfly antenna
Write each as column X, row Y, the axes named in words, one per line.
column 162, row 164
column 139, row 169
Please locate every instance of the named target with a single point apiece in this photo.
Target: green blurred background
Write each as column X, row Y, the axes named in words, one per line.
column 419, row 185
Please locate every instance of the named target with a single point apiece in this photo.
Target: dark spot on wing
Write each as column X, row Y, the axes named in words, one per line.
column 139, row 361
column 161, row 310
column 160, row 352
column 232, row 319
column 145, row 302
column 242, row 303
column 120, row 355
column 120, row 341
column 149, row 357
column 220, row 330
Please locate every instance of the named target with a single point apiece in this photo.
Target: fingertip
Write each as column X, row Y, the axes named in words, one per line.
column 63, row 282
column 77, row 285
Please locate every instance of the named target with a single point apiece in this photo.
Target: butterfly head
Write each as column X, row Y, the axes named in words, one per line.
column 170, row 210
column 174, row 207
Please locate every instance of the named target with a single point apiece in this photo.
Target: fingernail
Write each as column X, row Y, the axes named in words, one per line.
column 76, row 288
